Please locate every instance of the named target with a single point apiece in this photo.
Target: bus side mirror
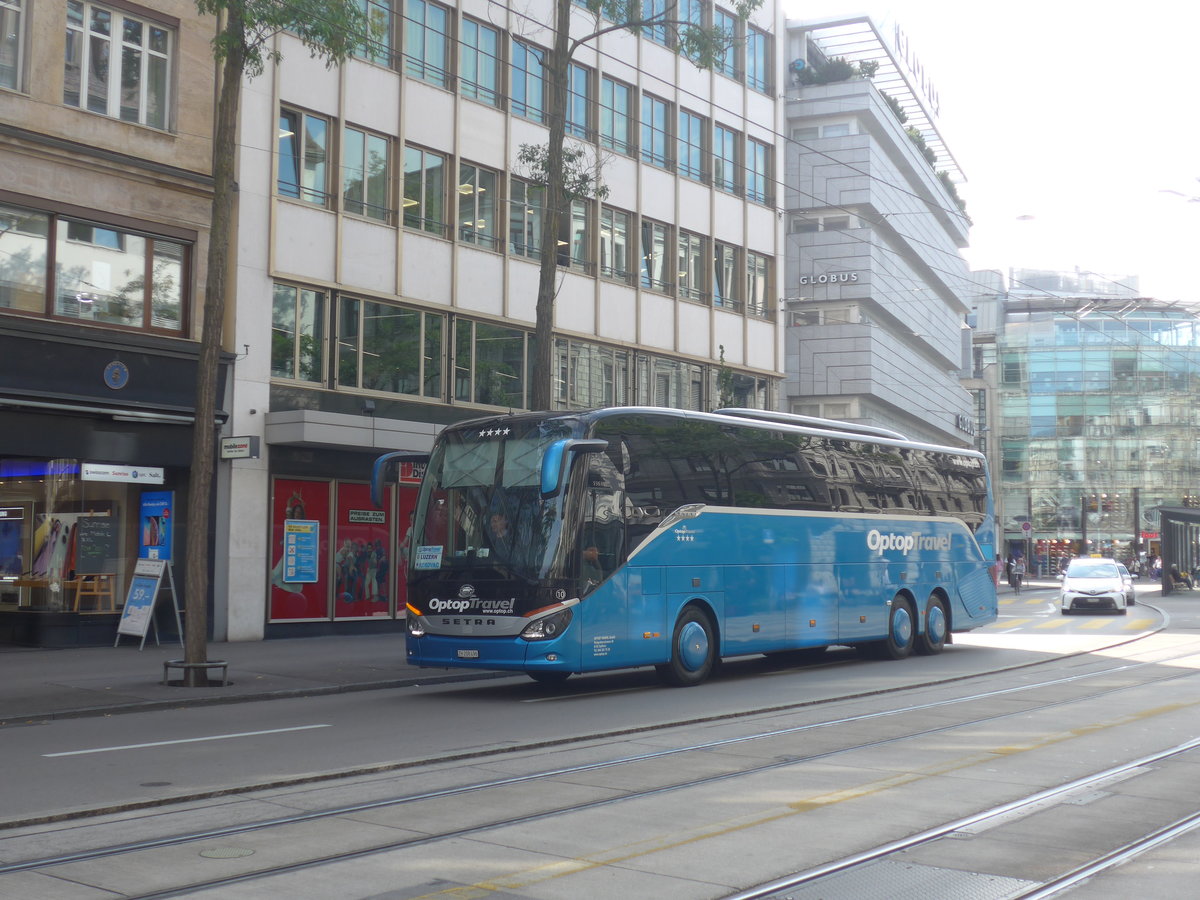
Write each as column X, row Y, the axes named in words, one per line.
column 383, row 466
column 557, row 461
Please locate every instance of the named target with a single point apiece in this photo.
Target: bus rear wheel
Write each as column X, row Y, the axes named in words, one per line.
column 932, row 638
column 693, row 650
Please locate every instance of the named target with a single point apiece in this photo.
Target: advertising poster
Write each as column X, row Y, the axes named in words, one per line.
column 294, row 500
column 363, row 566
column 157, row 524
column 139, row 603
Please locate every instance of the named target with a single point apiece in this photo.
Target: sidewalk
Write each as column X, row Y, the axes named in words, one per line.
column 38, row 683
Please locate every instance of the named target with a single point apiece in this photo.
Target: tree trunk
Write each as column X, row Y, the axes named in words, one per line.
column 204, row 433
column 556, row 112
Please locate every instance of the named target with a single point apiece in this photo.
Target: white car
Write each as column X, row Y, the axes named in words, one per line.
column 1127, row 577
column 1092, row 584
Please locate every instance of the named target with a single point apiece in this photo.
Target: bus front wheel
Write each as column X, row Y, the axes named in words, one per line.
column 693, row 650
column 932, row 638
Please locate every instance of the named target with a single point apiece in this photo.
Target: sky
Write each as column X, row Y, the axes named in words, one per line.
column 1072, row 121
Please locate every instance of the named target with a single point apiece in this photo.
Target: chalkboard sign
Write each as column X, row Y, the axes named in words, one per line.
column 95, row 545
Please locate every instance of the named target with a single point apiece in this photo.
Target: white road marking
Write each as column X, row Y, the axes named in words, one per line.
column 214, row 737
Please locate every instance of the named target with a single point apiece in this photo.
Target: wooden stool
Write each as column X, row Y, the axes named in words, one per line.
column 98, row 588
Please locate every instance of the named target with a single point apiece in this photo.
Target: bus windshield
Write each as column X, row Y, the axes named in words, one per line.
column 481, row 506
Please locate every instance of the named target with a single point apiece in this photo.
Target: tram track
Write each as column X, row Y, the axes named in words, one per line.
column 697, row 750
column 1067, row 880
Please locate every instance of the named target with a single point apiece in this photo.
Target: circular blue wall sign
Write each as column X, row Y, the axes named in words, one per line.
column 116, row 375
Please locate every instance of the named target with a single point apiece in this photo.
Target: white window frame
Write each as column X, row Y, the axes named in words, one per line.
column 152, row 63
column 12, row 44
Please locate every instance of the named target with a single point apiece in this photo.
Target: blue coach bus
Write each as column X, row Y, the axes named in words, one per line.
column 570, row 542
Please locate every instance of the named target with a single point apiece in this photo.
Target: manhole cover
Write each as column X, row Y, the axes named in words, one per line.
column 226, row 852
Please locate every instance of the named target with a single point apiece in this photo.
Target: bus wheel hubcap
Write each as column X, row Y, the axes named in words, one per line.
column 902, row 627
column 936, row 625
column 693, row 646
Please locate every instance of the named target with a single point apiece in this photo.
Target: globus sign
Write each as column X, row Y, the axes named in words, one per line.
column 835, row 278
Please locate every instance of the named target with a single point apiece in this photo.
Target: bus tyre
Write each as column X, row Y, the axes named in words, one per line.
column 932, row 638
column 899, row 641
column 693, row 650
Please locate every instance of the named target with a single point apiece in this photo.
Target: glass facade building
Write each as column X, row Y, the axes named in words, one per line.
column 1098, row 425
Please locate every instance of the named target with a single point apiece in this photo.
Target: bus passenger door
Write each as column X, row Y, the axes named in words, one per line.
column 599, row 576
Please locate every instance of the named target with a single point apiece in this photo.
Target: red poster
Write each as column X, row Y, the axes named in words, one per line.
column 362, row 563
column 406, row 497
column 308, row 500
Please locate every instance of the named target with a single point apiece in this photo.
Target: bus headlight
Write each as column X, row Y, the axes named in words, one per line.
column 548, row 627
column 416, row 627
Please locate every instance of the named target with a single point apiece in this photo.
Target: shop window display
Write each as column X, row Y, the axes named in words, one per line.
column 44, row 566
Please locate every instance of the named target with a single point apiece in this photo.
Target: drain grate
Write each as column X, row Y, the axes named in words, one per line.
column 226, row 852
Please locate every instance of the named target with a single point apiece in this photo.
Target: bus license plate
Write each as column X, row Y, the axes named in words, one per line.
column 468, row 654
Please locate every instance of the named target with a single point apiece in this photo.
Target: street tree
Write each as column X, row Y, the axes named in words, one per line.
column 243, row 45
column 560, row 168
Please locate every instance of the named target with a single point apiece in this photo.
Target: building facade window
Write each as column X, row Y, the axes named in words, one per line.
column 655, row 11
column 389, row 348
column 694, row 13
column 12, row 44
column 297, row 333
column 527, row 87
column 366, row 174
column 692, row 268
column 758, row 60
column 525, row 203
column 117, row 64
column 692, row 145
column 615, row 252
column 303, row 157
column 727, row 281
column 100, row 275
column 113, row 277
column 378, row 48
column 424, row 190
column 616, row 116
column 574, row 236
column 589, row 376
column 579, row 101
column 427, row 41
column 727, row 60
column 758, row 285
column 758, row 172
column 479, row 62
column 491, row 364
column 656, row 133
column 727, row 164
column 478, row 193
column 656, row 256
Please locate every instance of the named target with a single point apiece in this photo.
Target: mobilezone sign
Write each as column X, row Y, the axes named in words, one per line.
column 877, row 542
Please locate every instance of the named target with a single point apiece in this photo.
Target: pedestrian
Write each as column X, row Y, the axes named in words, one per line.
column 1018, row 573
column 1178, row 578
